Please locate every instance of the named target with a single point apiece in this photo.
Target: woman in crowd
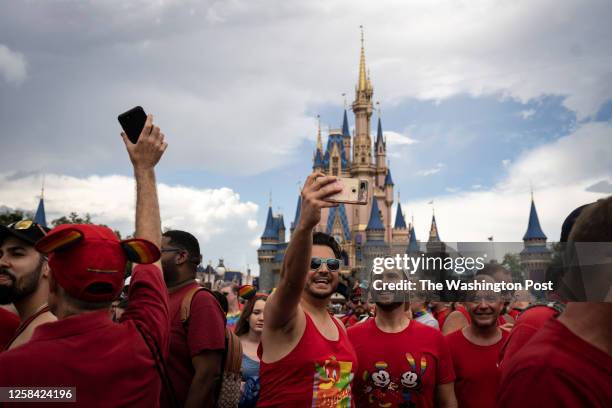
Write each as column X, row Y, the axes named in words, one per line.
column 249, row 329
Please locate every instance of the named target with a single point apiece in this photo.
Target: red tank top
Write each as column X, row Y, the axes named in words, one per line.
column 316, row 373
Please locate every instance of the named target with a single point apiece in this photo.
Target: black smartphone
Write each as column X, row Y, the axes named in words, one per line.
column 133, row 122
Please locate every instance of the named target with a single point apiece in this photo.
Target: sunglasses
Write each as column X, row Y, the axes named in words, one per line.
column 25, row 225
column 332, row 263
column 171, row 250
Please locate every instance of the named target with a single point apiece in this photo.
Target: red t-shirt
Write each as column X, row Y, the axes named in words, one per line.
column 317, row 373
column 109, row 363
column 557, row 369
column 441, row 316
column 526, row 326
column 9, row 322
column 349, row 320
column 476, row 370
column 206, row 331
column 399, row 369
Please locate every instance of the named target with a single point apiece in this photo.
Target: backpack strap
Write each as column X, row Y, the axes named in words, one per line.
column 188, row 299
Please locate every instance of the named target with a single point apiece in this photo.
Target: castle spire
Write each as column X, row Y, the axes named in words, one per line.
column 375, row 224
column 319, row 140
column 40, row 218
column 534, row 231
column 400, row 222
column 413, row 246
column 363, row 80
column 345, row 126
column 433, row 231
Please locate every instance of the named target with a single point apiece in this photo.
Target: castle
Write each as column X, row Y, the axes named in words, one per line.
column 364, row 231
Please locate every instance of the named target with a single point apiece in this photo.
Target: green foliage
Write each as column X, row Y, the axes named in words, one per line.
column 73, row 218
column 12, row 216
column 512, row 262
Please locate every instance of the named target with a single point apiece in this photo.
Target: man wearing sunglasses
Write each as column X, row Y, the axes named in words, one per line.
column 24, row 275
column 475, row 348
column 306, row 358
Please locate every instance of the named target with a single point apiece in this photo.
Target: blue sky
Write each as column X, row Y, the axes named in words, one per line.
column 479, row 103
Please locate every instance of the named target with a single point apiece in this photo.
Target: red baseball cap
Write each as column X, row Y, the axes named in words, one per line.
column 88, row 261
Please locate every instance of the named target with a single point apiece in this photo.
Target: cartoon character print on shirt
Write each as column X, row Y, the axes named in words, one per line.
column 380, row 384
column 412, row 380
column 332, row 384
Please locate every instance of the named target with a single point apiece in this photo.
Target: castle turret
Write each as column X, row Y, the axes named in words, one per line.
column 536, row 256
column 400, row 231
column 362, row 107
column 298, row 210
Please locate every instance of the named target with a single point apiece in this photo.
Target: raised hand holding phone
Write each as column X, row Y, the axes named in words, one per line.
column 146, row 152
column 132, row 122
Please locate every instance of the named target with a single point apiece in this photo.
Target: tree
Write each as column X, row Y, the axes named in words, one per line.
column 512, row 262
column 10, row 216
column 73, row 218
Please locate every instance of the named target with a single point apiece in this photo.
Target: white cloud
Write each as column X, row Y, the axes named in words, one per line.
column 476, row 186
column 526, row 114
column 224, row 225
column 429, row 172
column 563, row 174
column 12, row 65
column 506, row 162
column 398, row 139
column 219, row 76
column 452, row 189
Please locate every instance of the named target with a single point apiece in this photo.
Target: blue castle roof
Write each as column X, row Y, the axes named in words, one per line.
column 339, row 211
column 433, row 232
column 375, row 223
column 388, row 179
column 379, row 134
column 270, row 231
column 413, row 246
column 345, row 126
column 298, row 210
column 534, row 231
column 331, row 140
column 400, row 222
column 318, row 160
column 40, row 217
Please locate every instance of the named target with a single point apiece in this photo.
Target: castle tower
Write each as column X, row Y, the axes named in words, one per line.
column 400, row 231
column 40, row 218
column 298, row 211
column 266, row 252
column 362, row 107
column 535, row 257
column 388, row 188
column 380, row 147
column 375, row 245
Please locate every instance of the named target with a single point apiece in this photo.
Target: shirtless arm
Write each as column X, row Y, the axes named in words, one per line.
column 282, row 307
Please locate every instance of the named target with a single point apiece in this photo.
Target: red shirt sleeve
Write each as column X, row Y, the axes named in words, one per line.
column 446, row 372
column 206, row 329
column 148, row 304
column 559, row 390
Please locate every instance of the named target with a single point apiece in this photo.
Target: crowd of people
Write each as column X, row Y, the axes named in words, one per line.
column 70, row 319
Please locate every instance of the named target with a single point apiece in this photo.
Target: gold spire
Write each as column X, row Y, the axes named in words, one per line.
column 363, row 81
column 319, row 141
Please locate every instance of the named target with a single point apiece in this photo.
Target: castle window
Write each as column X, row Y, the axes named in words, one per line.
column 335, row 166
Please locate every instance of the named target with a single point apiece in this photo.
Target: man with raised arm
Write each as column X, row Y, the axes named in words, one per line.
column 106, row 364
column 306, row 358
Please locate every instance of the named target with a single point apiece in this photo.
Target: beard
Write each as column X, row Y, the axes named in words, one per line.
column 390, row 306
column 170, row 273
column 19, row 288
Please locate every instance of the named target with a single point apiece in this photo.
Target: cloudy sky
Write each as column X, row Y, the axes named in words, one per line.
column 479, row 100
